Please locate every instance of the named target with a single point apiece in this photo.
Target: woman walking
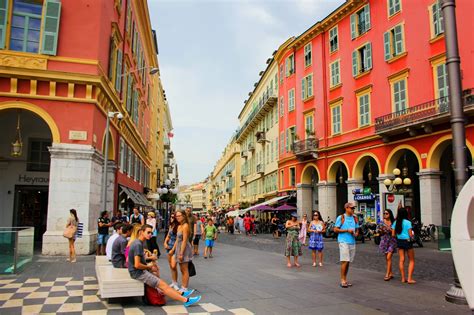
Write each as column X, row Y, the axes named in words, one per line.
column 198, row 231
column 293, row 245
column 182, row 248
column 169, row 244
column 72, row 221
column 388, row 243
column 303, row 230
column 403, row 230
column 316, row 243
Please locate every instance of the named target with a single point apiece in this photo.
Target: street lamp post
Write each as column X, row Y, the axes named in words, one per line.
column 167, row 193
column 106, row 158
column 399, row 183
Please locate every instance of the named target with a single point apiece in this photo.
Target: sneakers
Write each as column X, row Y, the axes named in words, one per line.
column 314, row 264
column 187, row 293
column 192, row 301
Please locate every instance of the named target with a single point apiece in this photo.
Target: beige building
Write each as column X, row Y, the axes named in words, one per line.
column 197, row 198
column 258, row 139
column 225, row 188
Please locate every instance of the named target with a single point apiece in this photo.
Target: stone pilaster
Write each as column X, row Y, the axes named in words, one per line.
column 304, row 199
column 75, row 182
column 351, row 185
column 430, row 197
column 327, row 200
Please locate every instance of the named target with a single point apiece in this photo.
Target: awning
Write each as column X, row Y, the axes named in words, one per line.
column 137, row 198
column 266, row 203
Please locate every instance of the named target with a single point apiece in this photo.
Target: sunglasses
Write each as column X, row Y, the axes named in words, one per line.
column 149, row 233
column 386, row 213
column 353, row 208
column 315, row 215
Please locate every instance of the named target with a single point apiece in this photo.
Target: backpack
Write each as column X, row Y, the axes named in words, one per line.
column 153, row 296
column 343, row 219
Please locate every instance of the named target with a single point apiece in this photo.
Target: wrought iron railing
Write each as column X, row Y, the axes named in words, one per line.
column 307, row 145
column 260, row 168
column 260, row 136
column 266, row 96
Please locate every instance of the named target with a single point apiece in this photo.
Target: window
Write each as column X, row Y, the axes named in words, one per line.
column 291, row 100
column 282, row 106
column 436, row 19
column 130, row 162
column 292, row 176
column 362, row 59
column 281, row 74
column 118, row 72
column 393, row 42
column 290, row 138
column 335, row 73
column 38, row 155
column 282, row 143
column 442, row 81
column 27, row 26
column 130, row 84
column 399, row 92
column 333, row 43
column 364, row 109
column 307, row 55
column 360, row 22
column 308, row 125
column 307, row 87
column 336, row 119
column 394, row 6
column 122, row 155
column 282, row 177
column 290, row 65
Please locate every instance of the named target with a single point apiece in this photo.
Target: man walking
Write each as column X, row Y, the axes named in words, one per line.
column 138, row 269
column 347, row 228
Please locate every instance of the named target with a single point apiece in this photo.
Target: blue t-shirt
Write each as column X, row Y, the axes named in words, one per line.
column 349, row 223
column 406, row 225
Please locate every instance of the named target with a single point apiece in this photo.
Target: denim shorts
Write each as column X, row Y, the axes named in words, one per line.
column 209, row 243
column 102, row 239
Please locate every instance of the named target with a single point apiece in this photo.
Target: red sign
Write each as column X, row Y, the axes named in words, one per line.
column 390, row 198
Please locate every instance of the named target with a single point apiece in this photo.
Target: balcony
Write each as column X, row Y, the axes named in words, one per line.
column 260, row 168
column 261, row 137
column 243, row 178
column 166, row 144
column 306, row 149
column 228, row 173
column 228, row 190
column 244, row 154
column 170, row 169
column 166, row 162
column 170, row 154
column 251, row 147
column 423, row 116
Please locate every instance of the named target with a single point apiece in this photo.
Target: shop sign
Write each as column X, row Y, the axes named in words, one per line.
column 361, row 197
column 77, row 135
column 32, row 180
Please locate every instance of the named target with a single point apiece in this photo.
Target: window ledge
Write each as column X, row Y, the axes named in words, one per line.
column 335, row 87
column 289, row 76
column 308, row 99
column 365, row 126
column 333, row 52
column 393, row 59
column 360, row 75
column 437, row 38
column 394, row 15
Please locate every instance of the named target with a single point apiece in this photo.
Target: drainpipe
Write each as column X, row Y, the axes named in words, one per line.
column 455, row 294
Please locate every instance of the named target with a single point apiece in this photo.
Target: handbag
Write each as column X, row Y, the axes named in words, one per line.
column 69, row 231
column 153, row 296
column 191, row 269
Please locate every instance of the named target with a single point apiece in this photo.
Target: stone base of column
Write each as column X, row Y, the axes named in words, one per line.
column 54, row 244
column 304, row 199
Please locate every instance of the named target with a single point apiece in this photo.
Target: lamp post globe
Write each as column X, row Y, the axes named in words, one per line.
column 397, row 181
column 396, row 171
column 407, row 182
column 387, row 182
column 167, row 182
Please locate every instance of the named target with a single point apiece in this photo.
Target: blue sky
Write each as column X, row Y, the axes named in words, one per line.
column 210, row 54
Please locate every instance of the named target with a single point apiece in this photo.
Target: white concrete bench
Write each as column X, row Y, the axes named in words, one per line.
column 116, row 282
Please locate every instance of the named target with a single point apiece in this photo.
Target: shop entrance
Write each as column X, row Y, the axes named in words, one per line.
column 31, row 209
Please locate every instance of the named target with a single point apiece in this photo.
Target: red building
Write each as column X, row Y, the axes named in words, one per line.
column 365, row 91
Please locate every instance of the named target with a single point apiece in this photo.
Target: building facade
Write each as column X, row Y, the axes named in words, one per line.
column 57, row 84
column 365, row 91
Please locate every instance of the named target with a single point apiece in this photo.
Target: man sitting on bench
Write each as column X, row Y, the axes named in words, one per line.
column 119, row 245
column 139, row 270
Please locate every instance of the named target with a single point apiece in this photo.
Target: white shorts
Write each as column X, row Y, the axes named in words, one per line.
column 347, row 252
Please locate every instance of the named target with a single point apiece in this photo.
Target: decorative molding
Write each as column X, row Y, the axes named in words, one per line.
column 27, row 62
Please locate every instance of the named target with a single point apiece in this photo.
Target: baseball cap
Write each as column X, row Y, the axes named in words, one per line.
column 349, row 205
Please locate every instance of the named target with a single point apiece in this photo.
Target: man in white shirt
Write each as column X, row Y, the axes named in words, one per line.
column 111, row 240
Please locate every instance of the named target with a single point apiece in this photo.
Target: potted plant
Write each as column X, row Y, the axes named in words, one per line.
column 310, row 133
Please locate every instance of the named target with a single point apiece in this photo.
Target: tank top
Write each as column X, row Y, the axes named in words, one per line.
column 134, row 219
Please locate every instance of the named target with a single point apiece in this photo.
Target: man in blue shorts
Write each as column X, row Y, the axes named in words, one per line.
column 211, row 235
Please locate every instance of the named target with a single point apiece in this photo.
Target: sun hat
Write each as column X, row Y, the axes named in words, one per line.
column 294, row 214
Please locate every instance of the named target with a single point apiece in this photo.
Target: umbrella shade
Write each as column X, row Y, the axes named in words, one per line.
column 264, row 208
column 286, row 207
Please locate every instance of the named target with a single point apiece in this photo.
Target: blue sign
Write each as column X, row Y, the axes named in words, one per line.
column 360, row 197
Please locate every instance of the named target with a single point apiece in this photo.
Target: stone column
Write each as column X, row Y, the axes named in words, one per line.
column 111, row 171
column 327, row 200
column 430, row 197
column 351, row 185
column 75, row 182
column 304, row 199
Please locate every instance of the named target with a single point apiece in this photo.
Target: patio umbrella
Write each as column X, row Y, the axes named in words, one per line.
column 285, row 207
column 264, row 208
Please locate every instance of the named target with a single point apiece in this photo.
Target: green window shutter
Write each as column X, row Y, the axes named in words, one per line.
column 118, row 71
column 386, row 45
column 310, row 85
column 367, row 17
column 51, row 27
column 129, row 94
column 355, row 64
column 391, row 7
column 398, row 35
column 3, row 21
column 353, row 26
column 303, row 88
column 368, row 56
column 111, row 58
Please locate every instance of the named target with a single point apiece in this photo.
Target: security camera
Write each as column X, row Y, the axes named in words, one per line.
column 119, row 116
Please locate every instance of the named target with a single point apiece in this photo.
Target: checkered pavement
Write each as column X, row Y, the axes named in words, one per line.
column 68, row 295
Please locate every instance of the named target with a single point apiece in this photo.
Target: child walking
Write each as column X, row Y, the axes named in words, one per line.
column 211, row 235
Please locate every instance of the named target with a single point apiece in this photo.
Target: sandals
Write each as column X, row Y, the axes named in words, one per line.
column 411, row 281
column 387, row 278
column 344, row 285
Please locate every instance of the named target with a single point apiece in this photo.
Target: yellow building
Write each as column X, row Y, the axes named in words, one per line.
column 258, row 139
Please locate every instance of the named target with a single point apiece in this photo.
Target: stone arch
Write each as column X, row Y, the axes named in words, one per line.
column 395, row 155
column 437, row 149
column 55, row 135
column 306, row 176
column 333, row 168
column 359, row 164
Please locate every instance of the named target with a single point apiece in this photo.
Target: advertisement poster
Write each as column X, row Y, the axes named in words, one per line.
column 394, row 202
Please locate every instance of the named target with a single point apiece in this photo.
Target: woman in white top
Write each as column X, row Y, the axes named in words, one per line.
column 73, row 220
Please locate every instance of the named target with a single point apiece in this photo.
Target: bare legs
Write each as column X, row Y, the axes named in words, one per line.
column 411, row 264
column 170, row 292
column 72, row 250
column 388, row 260
column 184, row 274
column 315, row 254
column 173, row 268
column 288, row 260
column 344, row 271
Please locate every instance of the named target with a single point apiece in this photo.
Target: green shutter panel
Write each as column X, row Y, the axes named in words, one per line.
column 386, row 45
column 118, row 72
column 368, row 56
column 51, row 27
column 3, row 22
column 367, row 17
column 355, row 66
column 111, row 58
column 129, row 93
column 353, row 26
column 310, row 86
column 398, row 40
column 391, row 7
column 303, row 92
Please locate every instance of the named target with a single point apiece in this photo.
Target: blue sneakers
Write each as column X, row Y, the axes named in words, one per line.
column 192, row 301
column 187, row 293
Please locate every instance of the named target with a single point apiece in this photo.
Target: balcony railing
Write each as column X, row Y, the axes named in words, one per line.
column 261, row 138
column 268, row 98
column 251, row 147
column 244, row 154
column 260, row 168
column 243, row 178
column 228, row 173
column 170, row 154
column 420, row 113
column 307, row 148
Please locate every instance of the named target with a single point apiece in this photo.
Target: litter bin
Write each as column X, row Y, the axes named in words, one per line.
column 444, row 236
